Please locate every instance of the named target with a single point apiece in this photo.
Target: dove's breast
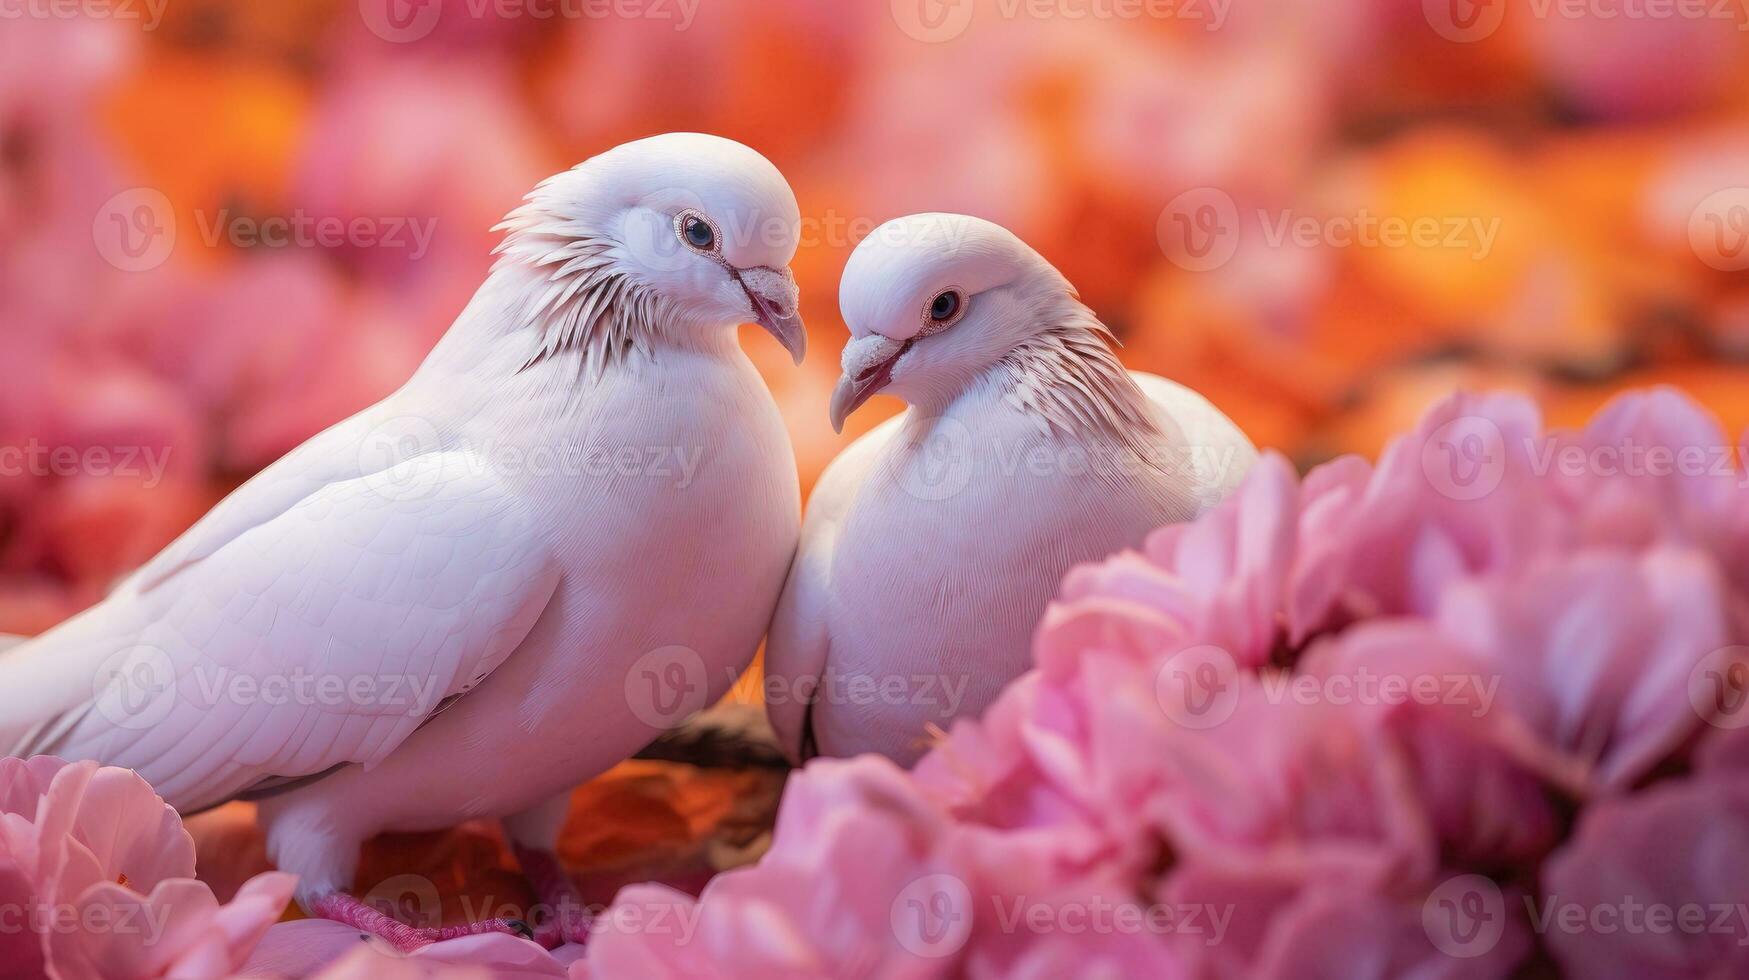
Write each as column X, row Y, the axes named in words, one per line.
column 952, row 548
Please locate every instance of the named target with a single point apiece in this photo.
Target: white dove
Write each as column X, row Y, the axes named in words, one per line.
column 566, row 531
column 933, row 544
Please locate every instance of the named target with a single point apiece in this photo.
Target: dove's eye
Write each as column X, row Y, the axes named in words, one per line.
column 944, row 310
column 697, row 233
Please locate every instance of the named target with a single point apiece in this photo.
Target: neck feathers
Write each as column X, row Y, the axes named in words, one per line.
column 1069, row 377
column 573, row 295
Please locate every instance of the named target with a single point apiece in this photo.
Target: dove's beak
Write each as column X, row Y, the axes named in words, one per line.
column 775, row 300
column 868, row 367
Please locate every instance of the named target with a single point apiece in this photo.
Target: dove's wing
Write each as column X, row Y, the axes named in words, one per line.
column 1218, row 450
column 359, row 446
column 320, row 637
column 797, row 647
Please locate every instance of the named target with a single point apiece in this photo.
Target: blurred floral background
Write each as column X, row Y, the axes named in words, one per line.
column 227, row 224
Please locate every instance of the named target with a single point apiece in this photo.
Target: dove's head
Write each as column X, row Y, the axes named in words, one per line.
column 933, row 301
column 701, row 224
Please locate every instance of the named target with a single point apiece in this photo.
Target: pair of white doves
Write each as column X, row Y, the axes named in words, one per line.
column 407, row 623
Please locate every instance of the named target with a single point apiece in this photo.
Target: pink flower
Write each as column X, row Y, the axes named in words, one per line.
column 1476, row 782
column 98, row 877
column 861, row 880
column 1456, row 497
column 1655, row 884
column 1302, row 782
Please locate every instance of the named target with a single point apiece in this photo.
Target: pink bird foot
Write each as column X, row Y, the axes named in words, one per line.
column 404, row 938
column 566, row 919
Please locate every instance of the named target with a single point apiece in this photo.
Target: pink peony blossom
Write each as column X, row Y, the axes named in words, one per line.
column 97, row 879
column 858, row 829
column 1655, row 884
